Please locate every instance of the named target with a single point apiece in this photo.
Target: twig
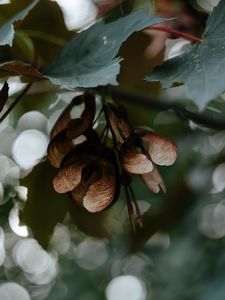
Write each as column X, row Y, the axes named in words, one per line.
column 15, row 102
column 160, row 104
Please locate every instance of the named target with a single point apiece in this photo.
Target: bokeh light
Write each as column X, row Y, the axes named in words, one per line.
column 218, row 178
column 13, row 291
column 126, row 287
column 39, row 266
column 29, row 148
column 14, row 222
column 32, row 120
column 78, row 14
column 212, row 220
column 61, row 240
column 91, row 253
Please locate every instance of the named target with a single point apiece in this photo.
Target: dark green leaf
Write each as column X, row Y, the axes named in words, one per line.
column 202, row 67
column 7, row 30
column 44, row 207
column 89, row 60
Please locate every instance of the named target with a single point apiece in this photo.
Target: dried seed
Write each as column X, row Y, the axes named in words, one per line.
column 163, row 151
column 100, row 194
column 58, row 148
column 154, row 181
column 119, row 124
column 136, row 163
column 68, row 178
column 64, row 119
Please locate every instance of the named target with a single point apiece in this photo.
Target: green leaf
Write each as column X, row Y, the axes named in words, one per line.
column 202, row 67
column 7, row 30
column 88, row 60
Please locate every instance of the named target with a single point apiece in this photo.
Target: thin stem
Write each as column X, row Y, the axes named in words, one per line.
column 177, row 33
column 98, row 116
column 106, row 135
column 162, row 104
column 138, row 213
column 130, row 208
column 15, row 102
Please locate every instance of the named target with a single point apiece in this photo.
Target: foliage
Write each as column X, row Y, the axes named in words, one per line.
column 201, row 68
column 94, row 63
column 7, row 30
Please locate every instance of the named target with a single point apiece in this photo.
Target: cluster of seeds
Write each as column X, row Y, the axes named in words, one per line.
column 93, row 166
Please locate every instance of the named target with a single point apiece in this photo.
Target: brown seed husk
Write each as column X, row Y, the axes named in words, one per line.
column 68, row 178
column 154, row 181
column 100, row 194
column 64, row 119
column 77, row 127
column 119, row 124
column 58, row 148
column 80, row 191
column 163, row 151
column 97, row 189
column 136, row 163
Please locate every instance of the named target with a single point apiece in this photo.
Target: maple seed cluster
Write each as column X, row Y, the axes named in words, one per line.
column 92, row 166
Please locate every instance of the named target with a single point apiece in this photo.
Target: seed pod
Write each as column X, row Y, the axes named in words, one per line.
column 68, row 178
column 64, row 119
column 119, row 123
column 58, row 148
column 154, row 181
column 136, row 163
column 132, row 161
column 78, row 126
column 97, row 189
column 85, row 120
column 100, row 194
column 163, row 151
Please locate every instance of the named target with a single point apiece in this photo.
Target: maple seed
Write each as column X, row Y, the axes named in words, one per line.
column 100, row 194
column 68, row 178
column 136, row 163
column 65, row 117
column 91, row 172
column 66, row 129
column 163, row 152
column 154, row 181
column 58, row 147
column 97, row 189
column 118, row 122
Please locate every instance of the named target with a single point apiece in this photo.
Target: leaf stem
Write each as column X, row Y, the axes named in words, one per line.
column 177, row 33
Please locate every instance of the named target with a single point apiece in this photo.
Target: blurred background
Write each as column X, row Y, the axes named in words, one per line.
column 49, row 248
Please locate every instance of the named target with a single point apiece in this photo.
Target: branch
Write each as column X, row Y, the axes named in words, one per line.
column 15, row 102
column 162, row 104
